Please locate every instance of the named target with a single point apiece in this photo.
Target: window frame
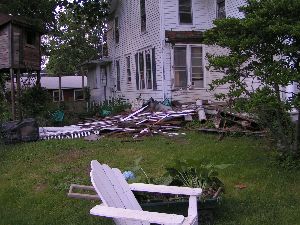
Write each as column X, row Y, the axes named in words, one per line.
column 128, row 69
column 62, row 95
column 118, row 75
column 180, row 12
column 189, row 66
column 218, row 14
column 144, row 53
column 78, row 90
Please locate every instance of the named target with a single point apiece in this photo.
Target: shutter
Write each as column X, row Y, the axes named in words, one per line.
column 137, row 71
column 154, row 69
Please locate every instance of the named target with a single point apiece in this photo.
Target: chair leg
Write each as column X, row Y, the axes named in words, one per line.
column 192, row 211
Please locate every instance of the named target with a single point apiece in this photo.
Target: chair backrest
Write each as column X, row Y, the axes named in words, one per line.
column 113, row 190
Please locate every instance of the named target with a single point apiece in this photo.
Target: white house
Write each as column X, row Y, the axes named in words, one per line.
column 155, row 50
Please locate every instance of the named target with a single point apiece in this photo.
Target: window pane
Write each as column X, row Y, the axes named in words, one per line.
column 128, row 69
column 143, row 15
column 180, row 56
column 142, row 72
column 78, row 95
column 185, row 11
column 148, row 70
column 197, row 67
column 118, row 76
column 181, row 79
column 221, row 12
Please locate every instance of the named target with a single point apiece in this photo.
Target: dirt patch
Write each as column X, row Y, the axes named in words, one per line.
column 40, row 187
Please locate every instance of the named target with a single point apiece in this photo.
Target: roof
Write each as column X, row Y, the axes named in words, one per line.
column 101, row 62
column 67, row 82
column 21, row 21
column 51, row 83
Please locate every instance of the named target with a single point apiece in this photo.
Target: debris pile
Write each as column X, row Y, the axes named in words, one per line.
column 157, row 118
column 143, row 122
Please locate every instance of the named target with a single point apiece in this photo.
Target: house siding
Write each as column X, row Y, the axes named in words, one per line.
column 131, row 41
column 4, row 47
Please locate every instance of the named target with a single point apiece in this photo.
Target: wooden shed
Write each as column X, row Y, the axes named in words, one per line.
column 19, row 44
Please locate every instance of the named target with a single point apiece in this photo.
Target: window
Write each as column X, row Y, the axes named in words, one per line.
column 78, row 95
column 104, row 76
column 117, row 33
column 197, row 67
column 118, row 75
column 185, row 12
column 30, row 37
column 191, row 73
column 56, row 96
column 221, row 12
column 148, row 69
column 143, row 15
column 180, row 67
column 145, row 69
column 128, row 69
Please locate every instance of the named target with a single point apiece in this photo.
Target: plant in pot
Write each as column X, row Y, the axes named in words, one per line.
column 189, row 173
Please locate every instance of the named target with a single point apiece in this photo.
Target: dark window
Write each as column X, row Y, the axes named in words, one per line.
column 117, row 33
column 128, row 69
column 56, row 96
column 142, row 70
column 78, row 95
column 30, row 37
column 221, row 12
column 185, row 12
column 143, row 15
column 180, row 67
column 148, row 70
column 118, row 75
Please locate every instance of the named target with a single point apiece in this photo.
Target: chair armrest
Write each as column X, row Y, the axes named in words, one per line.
column 165, row 189
column 137, row 215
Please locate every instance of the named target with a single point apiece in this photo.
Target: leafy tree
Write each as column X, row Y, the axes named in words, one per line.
column 263, row 47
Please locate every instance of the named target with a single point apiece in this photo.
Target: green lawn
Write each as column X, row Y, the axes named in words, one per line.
column 34, row 178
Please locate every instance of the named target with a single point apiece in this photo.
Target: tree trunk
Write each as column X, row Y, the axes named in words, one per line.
column 38, row 78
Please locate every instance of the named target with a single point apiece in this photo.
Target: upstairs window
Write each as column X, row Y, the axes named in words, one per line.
column 221, row 12
column 143, row 15
column 185, row 12
column 117, row 33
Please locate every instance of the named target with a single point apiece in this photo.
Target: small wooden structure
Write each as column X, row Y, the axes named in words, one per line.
column 20, row 41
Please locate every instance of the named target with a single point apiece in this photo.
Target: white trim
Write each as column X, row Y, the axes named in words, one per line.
column 62, row 95
column 188, row 66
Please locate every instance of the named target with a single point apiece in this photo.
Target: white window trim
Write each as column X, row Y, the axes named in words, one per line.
column 192, row 12
column 74, row 95
column 57, row 91
column 189, row 68
column 145, row 69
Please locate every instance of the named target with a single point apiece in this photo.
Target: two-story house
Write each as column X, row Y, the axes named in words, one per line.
column 155, row 50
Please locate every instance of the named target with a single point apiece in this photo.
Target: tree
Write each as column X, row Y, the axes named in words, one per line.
column 79, row 36
column 263, row 46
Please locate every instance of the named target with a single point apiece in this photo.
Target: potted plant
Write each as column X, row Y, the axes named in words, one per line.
column 189, row 173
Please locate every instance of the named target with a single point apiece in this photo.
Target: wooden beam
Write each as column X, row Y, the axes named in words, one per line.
column 18, row 81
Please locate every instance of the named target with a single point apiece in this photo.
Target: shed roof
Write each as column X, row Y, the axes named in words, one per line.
column 21, row 21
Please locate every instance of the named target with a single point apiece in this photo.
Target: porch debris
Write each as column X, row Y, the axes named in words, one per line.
column 155, row 118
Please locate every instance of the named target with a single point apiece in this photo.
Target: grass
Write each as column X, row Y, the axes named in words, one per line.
column 34, row 178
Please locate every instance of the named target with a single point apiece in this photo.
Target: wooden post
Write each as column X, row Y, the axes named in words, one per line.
column 18, row 81
column 82, row 72
column 12, row 91
column 38, row 78
column 59, row 90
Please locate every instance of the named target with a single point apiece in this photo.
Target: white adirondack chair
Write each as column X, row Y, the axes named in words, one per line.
column 119, row 203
